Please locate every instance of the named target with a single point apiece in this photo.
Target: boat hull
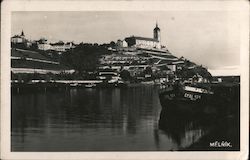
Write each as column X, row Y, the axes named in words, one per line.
column 185, row 101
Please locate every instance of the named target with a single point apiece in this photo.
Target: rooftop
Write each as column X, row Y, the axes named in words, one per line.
column 143, row 38
column 57, row 43
column 16, row 36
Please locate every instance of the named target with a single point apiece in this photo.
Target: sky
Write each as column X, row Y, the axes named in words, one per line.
column 208, row 38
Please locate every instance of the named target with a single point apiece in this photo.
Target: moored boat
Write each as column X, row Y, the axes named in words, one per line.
column 185, row 97
column 90, row 85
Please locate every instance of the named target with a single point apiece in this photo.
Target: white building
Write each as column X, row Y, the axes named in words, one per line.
column 18, row 38
column 144, row 42
column 172, row 67
column 43, row 45
column 121, row 43
column 59, row 46
column 69, row 45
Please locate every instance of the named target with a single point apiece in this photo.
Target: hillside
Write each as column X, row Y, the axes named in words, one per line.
column 27, row 59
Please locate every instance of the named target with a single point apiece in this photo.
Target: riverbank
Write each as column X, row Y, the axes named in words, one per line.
column 63, row 85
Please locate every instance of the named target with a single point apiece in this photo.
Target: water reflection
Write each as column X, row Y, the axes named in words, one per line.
column 85, row 119
column 182, row 128
column 128, row 119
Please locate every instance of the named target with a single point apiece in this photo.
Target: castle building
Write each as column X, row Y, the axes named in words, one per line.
column 144, row 42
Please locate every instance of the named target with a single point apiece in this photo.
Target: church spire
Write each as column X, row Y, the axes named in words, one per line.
column 156, row 26
column 22, row 34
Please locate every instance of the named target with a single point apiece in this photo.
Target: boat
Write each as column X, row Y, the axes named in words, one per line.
column 148, row 82
column 73, row 84
column 185, row 97
column 90, row 85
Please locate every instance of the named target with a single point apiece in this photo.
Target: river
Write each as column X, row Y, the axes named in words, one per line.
column 110, row 119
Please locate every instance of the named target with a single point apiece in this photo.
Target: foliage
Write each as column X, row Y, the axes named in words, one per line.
column 84, row 57
column 186, row 73
column 112, row 44
column 148, row 70
column 125, row 75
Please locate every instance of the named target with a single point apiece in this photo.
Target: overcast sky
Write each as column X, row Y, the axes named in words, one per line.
column 210, row 38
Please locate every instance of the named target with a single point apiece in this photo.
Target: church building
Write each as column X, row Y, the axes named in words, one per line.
column 144, row 42
column 18, row 38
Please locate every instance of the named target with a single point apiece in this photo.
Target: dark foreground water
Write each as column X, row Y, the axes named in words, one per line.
column 128, row 119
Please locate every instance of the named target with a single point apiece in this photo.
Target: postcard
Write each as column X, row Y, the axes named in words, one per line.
column 124, row 80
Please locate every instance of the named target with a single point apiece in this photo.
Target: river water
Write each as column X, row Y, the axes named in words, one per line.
column 91, row 119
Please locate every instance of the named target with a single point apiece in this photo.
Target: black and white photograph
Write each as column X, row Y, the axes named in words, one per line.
column 132, row 80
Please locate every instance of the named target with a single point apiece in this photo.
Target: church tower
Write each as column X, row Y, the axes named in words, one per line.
column 157, row 34
column 22, row 34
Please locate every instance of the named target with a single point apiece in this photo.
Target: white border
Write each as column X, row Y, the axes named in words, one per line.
column 8, row 6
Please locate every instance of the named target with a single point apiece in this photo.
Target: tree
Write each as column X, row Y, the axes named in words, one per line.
column 186, row 73
column 125, row 75
column 148, row 70
column 112, row 44
column 85, row 57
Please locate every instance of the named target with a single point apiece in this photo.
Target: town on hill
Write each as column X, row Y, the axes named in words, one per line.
column 133, row 59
